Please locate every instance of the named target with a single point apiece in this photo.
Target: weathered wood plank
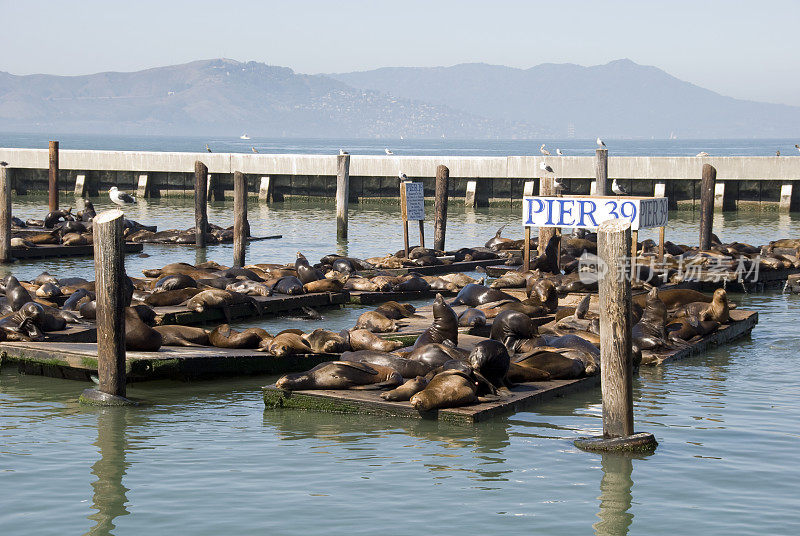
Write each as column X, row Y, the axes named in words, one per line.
column 53, row 250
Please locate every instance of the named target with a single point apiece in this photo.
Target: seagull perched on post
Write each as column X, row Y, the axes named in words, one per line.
column 388, row 151
column 600, row 143
column 545, row 167
column 342, row 152
column 544, row 151
column 558, row 152
column 403, row 176
column 208, row 148
column 254, row 149
column 618, row 189
column 120, row 198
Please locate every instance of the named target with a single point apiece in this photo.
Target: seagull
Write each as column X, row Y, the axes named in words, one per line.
column 208, row 148
column 544, row 151
column 558, row 185
column 702, row 153
column 778, row 152
column 600, row 143
column 254, row 149
column 388, row 151
column 4, row 164
column 618, row 188
column 797, row 147
column 342, row 152
column 120, row 198
column 558, row 152
column 403, row 176
column 545, row 167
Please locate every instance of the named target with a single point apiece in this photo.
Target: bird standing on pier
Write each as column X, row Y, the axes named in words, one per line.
column 618, row 189
column 388, row 151
column 342, row 152
column 702, row 153
column 600, row 143
column 254, row 150
column 120, row 198
column 558, row 152
column 208, row 148
column 544, row 151
column 545, row 167
column 403, row 176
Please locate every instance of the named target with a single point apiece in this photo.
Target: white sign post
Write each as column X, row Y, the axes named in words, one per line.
column 412, row 207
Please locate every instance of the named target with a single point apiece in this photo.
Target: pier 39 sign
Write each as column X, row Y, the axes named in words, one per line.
column 590, row 211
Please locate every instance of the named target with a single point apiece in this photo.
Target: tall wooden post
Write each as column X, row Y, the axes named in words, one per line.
column 5, row 214
column 342, row 194
column 440, row 207
column 109, row 274
column 200, row 203
column 52, row 190
column 613, row 243
column 601, row 171
column 526, row 250
column 707, row 205
column 239, row 219
column 546, row 188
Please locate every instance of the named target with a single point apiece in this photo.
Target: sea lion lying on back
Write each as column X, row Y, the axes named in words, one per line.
column 341, row 375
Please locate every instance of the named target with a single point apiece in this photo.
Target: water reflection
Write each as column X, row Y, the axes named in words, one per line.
column 109, row 497
column 615, row 495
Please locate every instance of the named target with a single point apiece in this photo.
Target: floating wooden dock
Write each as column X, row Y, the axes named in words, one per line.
column 737, row 281
column 363, row 297
column 436, row 269
column 46, row 251
column 78, row 361
column 370, row 402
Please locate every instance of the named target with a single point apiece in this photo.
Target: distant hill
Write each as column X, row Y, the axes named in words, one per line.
column 619, row 99
column 228, row 97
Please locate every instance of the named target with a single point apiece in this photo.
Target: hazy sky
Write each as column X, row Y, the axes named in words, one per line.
column 746, row 49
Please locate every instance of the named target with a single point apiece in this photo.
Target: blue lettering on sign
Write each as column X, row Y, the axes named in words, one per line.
column 564, row 211
column 587, row 209
column 549, row 212
column 631, row 215
column 531, row 210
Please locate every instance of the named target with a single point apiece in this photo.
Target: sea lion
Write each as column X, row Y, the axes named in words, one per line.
column 286, row 343
column 77, row 298
column 554, row 362
column 460, row 280
column 473, row 295
column 342, row 265
column 305, row 272
column 221, row 299
column 687, row 328
column 444, row 327
column 497, row 239
column 251, row 288
column 718, row 310
column 360, row 283
column 376, row 323
column 396, row 311
column 288, row 285
column 88, row 310
column 174, row 282
column 491, row 359
column 650, row 331
column 408, row 368
column 171, row 297
column 323, row 341
column 56, row 215
column 512, row 279
column 412, row 283
column 17, row 242
column 323, row 285
column 520, row 374
column 74, row 239
column 48, row 290
column 138, row 335
column 436, row 355
column 543, row 292
column 223, row 336
column 472, row 318
column 407, row 390
column 16, row 294
column 509, row 327
column 437, row 283
column 674, row 298
column 363, row 339
column 174, row 335
column 45, row 277
column 341, row 375
column 22, row 324
column 447, row 389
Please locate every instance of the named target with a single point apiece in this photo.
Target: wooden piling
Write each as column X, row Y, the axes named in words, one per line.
column 707, row 205
column 142, row 187
column 601, row 171
column 80, row 185
column 471, row 194
column 109, row 273
column 239, row 219
column 546, row 188
column 200, row 203
column 526, row 250
column 614, row 243
column 440, row 207
column 52, row 190
column 5, row 214
column 404, row 216
column 265, row 189
column 342, row 194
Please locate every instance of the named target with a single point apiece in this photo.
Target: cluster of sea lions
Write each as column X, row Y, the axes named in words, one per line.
column 28, row 310
column 420, row 256
column 64, row 228
column 214, row 235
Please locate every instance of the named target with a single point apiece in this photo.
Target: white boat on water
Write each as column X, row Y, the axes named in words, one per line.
column 244, row 137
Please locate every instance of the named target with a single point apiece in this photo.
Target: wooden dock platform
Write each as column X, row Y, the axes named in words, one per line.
column 436, row 269
column 78, row 361
column 736, row 281
column 48, row 251
column 370, row 402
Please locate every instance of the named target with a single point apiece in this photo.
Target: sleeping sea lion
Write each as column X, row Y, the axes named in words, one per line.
column 376, row 323
column 173, row 282
column 436, row 355
column 286, row 343
column 473, row 318
column 48, row 290
column 554, row 362
column 171, row 297
column 341, row 375
column 223, row 336
column 408, row 368
column 288, row 285
column 447, row 389
column 407, row 390
column 363, row 339
column 396, row 311
column 473, row 295
column 323, row 341
column 175, row 335
column 324, row 285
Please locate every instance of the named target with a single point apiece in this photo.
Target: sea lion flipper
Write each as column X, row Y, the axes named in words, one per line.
column 358, row 366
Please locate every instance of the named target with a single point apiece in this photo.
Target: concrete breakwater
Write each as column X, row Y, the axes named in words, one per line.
column 741, row 181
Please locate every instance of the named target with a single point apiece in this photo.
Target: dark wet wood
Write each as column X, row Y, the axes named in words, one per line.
column 440, row 207
column 45, row 251
column 342, row 194
column 5, row 215
column 707, row 205
column 239, row 219
column 52, row 186
column 200, row 203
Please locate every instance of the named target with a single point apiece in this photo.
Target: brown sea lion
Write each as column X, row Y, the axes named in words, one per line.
column 22, row 325
column 251, row 288
column 450, row 388
column 287, row 343
column 412, row 283
column 650, row 331
column 219, row 299
column 363, row 339
column 48, row 290
column 718, row 310
column 472, row 318
column 490, row 358
column 74, row 239
column 396, row 311
column 543, row 292
column 223, row 336
column 341, row 375
column 323, row 341
column 512, row 279
column 324, row 285
column 436, row 355
column 305, row 272
column 171, row 297
column 674, row 298
column 458, row 279
column 408, row 368
column 554, row 362
column 444, row 327
column 407, row 390
column 376, row 323
column 173, row 282
column 687, row 328
column 360, row 283
column 77, row 298
column 138, row 335
column 174, row 335
column 519, row 374
column 510, row 327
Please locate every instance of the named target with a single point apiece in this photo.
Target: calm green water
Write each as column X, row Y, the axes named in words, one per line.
column 205, row 458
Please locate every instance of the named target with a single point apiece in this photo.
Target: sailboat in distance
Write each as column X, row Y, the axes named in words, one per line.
column 244, row 137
